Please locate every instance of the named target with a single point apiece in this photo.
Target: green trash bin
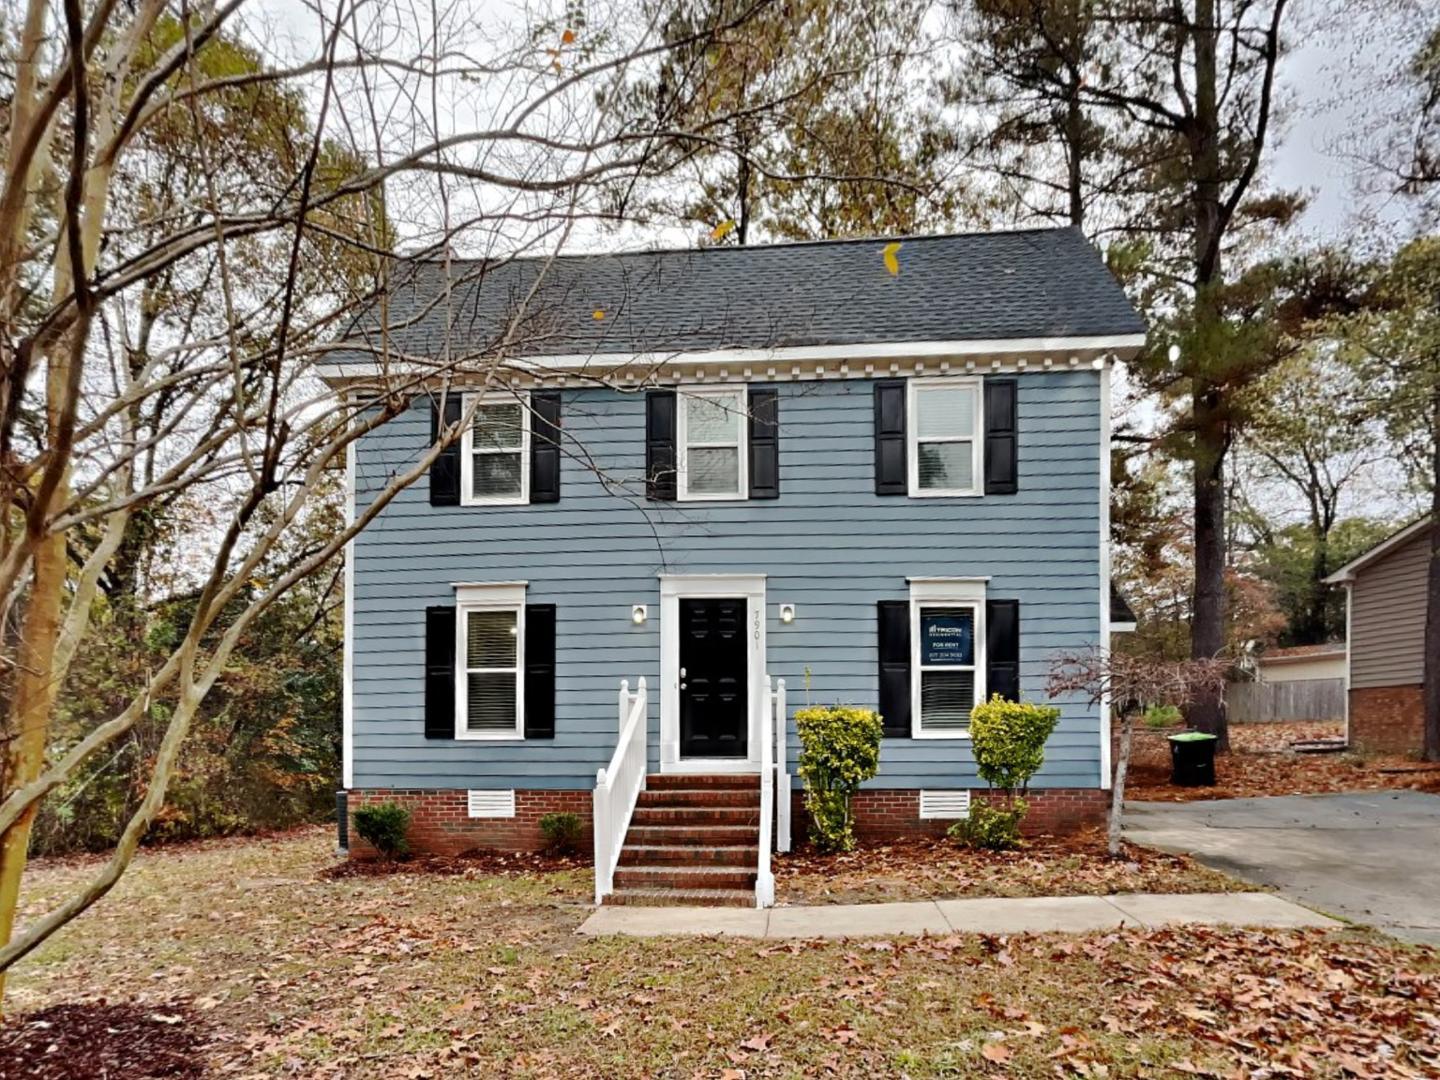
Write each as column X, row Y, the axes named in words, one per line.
column 1192, row 759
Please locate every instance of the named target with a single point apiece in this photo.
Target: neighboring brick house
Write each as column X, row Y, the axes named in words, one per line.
column 1385, row 641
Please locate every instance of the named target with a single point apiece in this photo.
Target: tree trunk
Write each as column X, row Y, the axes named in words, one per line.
column 1432, row 589
column 1211, row 434
column 34, row 700
column 1117, row 791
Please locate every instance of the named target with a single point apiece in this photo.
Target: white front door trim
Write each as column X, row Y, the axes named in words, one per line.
column 672, row 588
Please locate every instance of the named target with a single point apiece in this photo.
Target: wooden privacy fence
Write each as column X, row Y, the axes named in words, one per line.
column 1303, row 699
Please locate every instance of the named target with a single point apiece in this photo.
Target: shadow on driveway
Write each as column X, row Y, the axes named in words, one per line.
column 1372, row 857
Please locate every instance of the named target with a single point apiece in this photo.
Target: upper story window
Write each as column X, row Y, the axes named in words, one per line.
column 945, row 437
column 490, row 657
column 947, row 663
column 495, row 452
column 711, row 436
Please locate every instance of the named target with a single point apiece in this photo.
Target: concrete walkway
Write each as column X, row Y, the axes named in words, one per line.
column 1076, row 914
column 1371, row 857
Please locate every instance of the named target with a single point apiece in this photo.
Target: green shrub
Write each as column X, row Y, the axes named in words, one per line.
column 1008, row 740
column 384, row 826
column 562, row 832
column 994, row 828
column 1162, row 716
column 839, row 751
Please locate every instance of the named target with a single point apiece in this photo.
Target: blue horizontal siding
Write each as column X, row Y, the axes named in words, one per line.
column 828, row 545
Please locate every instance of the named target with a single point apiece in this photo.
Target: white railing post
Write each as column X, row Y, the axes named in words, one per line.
column 624, row 704
column 764, row 879
column 782, row 774
column 601, row 804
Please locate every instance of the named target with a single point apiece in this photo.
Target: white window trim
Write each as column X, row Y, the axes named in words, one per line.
column 501, row 596
column 942, row 592
column 682, row 448
column 467, row 451
column 912, row 437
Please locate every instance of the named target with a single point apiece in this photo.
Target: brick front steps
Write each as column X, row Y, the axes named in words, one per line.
column 693, row 840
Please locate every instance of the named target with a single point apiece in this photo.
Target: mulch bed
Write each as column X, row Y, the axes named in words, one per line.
column 1263, row 760
column 471, row 863
column 97, row 1040
column 921, row 869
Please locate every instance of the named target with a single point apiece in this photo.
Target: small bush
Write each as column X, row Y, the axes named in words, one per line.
column 384, row 825
column 839, row 751
column 562, row 832
column 1008, row 740
column 1162, row 716
column 994, row 828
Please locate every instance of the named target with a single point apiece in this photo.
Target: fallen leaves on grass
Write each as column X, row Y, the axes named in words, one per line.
column 470, row 863
column 119, row 1042
column 438, row 976
column 1262, row 761
column 919, row 869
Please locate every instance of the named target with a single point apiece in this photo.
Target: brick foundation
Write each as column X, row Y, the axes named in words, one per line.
column 440, row 823
column 891, row 814
column 1388, row 719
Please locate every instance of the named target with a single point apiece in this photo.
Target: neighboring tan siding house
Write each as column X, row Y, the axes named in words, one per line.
column 783, row 463
column 1386, row 589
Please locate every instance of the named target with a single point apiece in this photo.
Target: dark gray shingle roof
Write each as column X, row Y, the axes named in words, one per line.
column 963, row 287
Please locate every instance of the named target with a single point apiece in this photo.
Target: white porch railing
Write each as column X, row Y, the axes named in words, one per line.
column 618, row 787
column 774, row 788
column 764, row 878
column 782, row 777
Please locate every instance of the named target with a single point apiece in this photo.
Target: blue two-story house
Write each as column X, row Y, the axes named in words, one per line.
column 877, row 471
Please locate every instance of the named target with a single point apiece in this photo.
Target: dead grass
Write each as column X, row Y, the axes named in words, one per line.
column 941, row 869
column 1261, row 762
column 424, row 976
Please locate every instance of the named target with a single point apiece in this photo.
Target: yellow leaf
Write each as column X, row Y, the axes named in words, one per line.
column 568, row 37
column 719, row 232
column 892, row 261
column 599, row 314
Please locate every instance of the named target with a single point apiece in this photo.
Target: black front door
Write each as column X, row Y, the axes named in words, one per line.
column 713, row 682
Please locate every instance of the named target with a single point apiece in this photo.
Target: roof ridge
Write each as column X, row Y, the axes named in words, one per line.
column 834, row 241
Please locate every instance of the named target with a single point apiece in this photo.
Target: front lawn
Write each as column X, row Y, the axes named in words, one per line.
column 1261, row 761
column 941, row 869
column 281, row 971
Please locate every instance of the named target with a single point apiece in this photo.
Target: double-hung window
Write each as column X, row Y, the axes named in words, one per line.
column 495, row 451
column 947, row 635
column 712, row 448
column 490, row 656
column 945, row 437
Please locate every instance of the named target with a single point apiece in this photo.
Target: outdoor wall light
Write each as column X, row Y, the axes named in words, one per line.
column 787, row 613
column 638, row 614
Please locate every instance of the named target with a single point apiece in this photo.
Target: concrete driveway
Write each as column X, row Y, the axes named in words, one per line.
column 1371, row 857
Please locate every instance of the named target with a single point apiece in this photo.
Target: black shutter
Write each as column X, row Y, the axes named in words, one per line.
column 890, row 437
column 1002, row 649
column 660, row 444
column 1001, row 445
column 894, row 640
column 539, row 671
column 545, row 446
column 445, row 470
column 440, row 672
column 764, row 444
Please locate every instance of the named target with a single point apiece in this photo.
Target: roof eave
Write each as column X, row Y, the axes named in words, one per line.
column 871, row 359
column 1346, row 573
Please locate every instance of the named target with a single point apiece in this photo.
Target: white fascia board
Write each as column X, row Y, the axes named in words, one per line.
column 1043, row 351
